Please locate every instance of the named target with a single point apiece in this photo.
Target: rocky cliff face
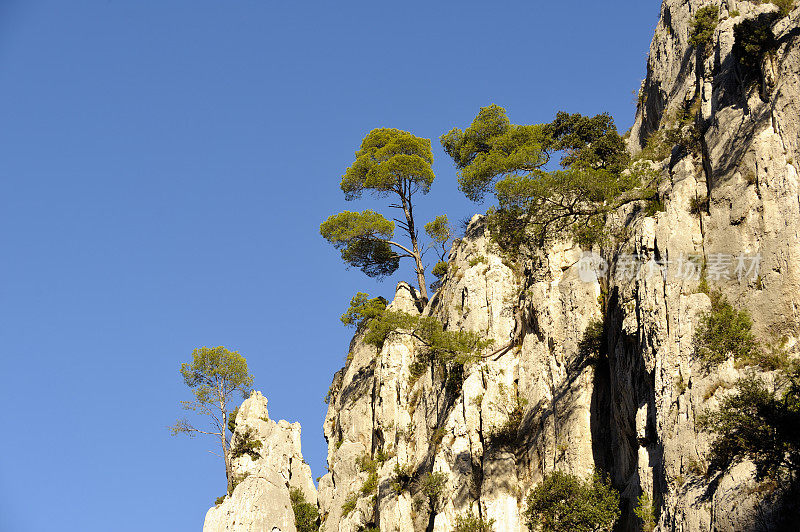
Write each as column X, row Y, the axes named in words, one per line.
column 489, row 454
column 730, row 198
column 260, row 500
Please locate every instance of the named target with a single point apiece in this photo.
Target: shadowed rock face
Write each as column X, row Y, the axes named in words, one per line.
column 261, row 500
column 630, row 411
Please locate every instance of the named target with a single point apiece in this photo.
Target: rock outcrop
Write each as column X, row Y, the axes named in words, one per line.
column 731, row 208
column 732, row 196
column 260, row 500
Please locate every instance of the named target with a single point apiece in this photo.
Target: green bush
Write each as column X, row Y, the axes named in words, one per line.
column 506, row 434
column 703, row 26
column 564, row 503
column 219, row 500
column 401, row 482
column 725, row 331
column 698, row 205
column 246, row 444
column 232, row 420
column 362, row 309
column 760, row 424
column 432, row 487
column 439, row 271
column 470, row 522
column 438, row 345
column 784, row 6
column 753, row 39
column 306, row 515
column 349, row 504
column 592, row 345
column 646, row 511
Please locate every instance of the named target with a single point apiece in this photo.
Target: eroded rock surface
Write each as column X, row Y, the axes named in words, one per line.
column 260, row 501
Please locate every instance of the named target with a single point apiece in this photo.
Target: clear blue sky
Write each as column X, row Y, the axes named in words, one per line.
column 165, row 167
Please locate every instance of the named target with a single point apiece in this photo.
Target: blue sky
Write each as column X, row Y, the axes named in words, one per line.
column 165, row 167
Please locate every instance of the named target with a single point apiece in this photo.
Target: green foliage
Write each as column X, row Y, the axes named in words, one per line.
column 784, row 6
column 573, row 201
column 654, row 205
column 506, row 434
column 216, row 370
column 362, row 309
column 349, row 504
column 588, row 142
column 401, row 481
column 389, row 159
column 592, row 345
column 659, row 145
column 440, row 346
column 440, row 233
column 440, row 270
column 646, row 512
column 698, row 205
column 439, row 229
column 232, row 420
column 565, row 503
column 759, row 423
column 480, row 259
column 362, row 239
column 214, row 376
column 236, row 480
column 724, row 331
column 219, row 500
column 492, row 147
column 705, row 22
column 246, row 444
column 432, row 487
column 753, row 39
column 470, row 522
column 366, row 464
column 306, row 515
column 390, row 162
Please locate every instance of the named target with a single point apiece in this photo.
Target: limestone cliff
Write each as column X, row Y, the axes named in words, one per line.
column 633, row 415
column 260, row 500
column 547, row 403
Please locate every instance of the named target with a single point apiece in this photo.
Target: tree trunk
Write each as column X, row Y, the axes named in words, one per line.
column 224, row 441
column 412, row 233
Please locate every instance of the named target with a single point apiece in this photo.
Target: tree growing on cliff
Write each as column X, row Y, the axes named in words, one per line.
column 214, row 376
column 594, row 178
column 440, row 233
column 564, row 503
column 759, row 422
column 390, row 163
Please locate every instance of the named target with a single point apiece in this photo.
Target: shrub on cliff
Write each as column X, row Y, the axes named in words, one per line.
column 246, row 444
column 362, row 309
column 760, row 423
column 306, row 515
column 724, row 331
column 565, row 503
column 753, row 40
column 705, row 22
column 470, row 522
